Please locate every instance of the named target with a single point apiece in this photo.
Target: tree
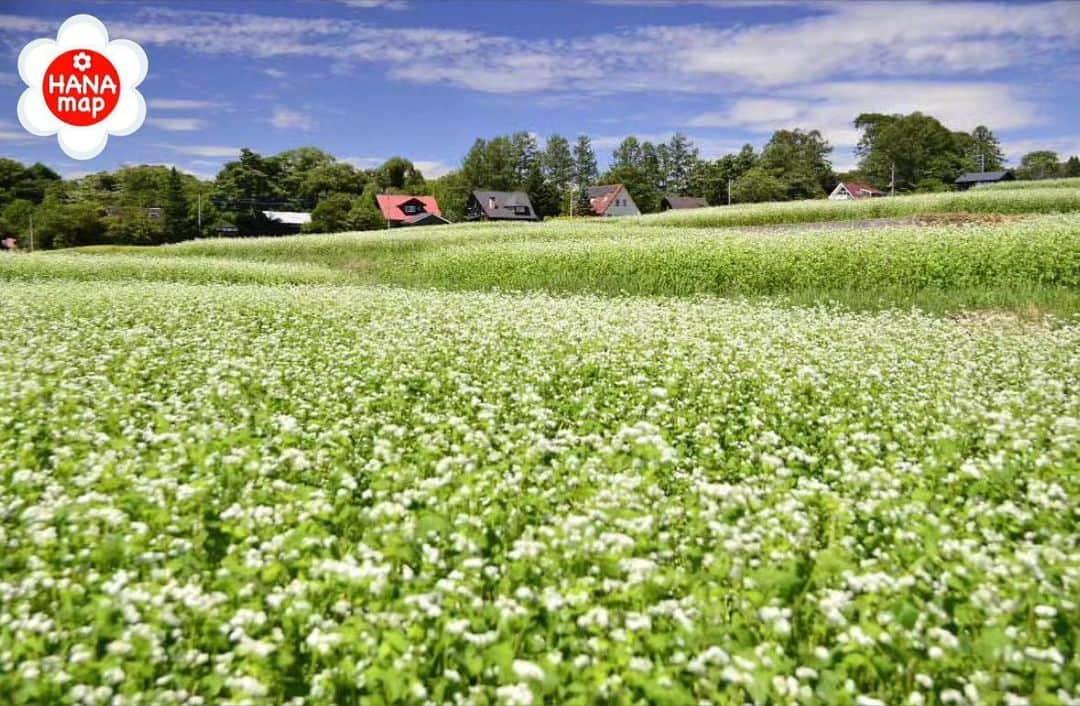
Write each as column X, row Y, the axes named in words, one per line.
column 681, row 160
column 585, row 169
column 984, row 151
column 15, row 220
column 365, row 214
column 800, row 161
column 1042, row 164
column 756, row 186
column 627, row 154
column 1072, row 167
column 247, row 186
column 545, row 196
column 526, row 154
column 176, row 217
column 490, row 164
column 66, row 225
column 399, row 175
column 334, row 178
column 917, row 145
column 452, row 194
column 331, row 215
column 559, row 163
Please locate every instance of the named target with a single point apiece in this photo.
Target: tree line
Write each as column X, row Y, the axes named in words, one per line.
column 148, row 205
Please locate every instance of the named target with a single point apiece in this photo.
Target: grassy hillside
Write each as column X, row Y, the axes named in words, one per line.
column 1004, row 201
column 251, row 471
column 1022, row 263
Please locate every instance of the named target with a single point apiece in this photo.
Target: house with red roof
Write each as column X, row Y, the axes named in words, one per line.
column 405, row 210
column 612, row 200
column 847, row 190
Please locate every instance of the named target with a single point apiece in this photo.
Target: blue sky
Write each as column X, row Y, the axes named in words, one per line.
column 368, row 79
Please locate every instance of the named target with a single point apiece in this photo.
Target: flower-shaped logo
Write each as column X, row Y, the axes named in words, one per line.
column 82, row 87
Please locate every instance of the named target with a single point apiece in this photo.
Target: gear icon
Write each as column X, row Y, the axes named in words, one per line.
column 81, row 61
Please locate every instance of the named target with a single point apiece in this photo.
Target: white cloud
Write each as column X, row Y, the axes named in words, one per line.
column 432, row 169
column 836, row 41
column 1065, row 146
column 276, row 74
column 289, row 119
column 372, row 4
column 180, row 104
column 364, row 162
column 206, row 150
column 832, row 107
column 178, row 124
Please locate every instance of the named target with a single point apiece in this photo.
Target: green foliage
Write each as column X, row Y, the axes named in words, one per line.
column 799, row 161
column 917, row 146
column 586, row 171
column 1042, row 164
column 757, row 185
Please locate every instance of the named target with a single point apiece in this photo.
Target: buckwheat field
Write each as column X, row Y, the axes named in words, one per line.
column 238, row 482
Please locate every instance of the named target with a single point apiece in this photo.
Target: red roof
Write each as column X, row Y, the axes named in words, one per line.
column 601, row 197
column 860, row 191
column 390, row 205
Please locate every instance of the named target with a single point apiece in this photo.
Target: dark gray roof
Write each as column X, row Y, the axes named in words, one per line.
column 506, row 203
column 977, row 177
column 686, row 202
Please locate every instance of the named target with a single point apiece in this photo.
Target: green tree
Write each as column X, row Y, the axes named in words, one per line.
column 758, row 185
column 399, row 175
column 585, row 170
column 490, row 164
column 15, row 220
column 984, row 151
column 332, row 214
column 176, row 217
column 1042, row 164
column 526, row 154
column 558, row 163
column 333, row 178
column 1072, row 167
column 545, row 196
column 365, row 213
column 800, row 161
column 681, row 161
column 917, row 145
column 246, row 187
column 452, row 194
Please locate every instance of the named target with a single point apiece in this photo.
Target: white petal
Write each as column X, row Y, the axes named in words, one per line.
column 128, row 115
column 82, row 32
column 34, row 59
column 34, row 115
column 130, row 61
column 82, row 142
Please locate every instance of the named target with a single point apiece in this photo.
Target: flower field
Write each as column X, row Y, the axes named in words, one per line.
column 259, row 486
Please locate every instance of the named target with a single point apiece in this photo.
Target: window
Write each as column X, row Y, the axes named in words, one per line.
column 411, row 208
column 521, row 210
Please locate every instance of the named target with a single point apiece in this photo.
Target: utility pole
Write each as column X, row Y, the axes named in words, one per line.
column 31, row 232
column 199, row 201
column 982, row 162
column 892, row 180
column 729, row 191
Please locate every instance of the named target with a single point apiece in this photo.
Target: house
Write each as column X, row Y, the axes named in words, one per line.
column 612, row 200
column 404, row 210
column 847, row 190
column 970, row 179
column 287, row 221
column 500, row 206
column 669, row 203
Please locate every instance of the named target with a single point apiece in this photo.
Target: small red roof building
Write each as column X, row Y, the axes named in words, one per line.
column 846, row 190
column 406, row 210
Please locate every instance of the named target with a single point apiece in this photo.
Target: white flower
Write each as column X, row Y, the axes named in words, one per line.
column 524, row 669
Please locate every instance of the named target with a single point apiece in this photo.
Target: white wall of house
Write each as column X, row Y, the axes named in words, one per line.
column 840, row 193
column 623, row 205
